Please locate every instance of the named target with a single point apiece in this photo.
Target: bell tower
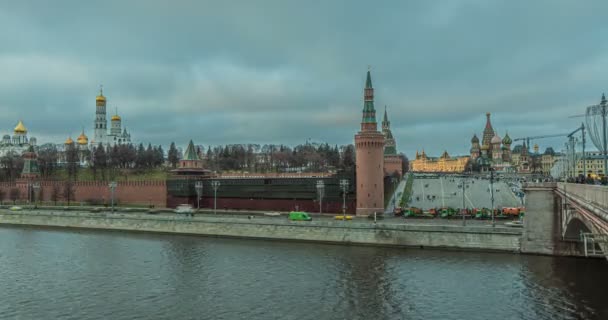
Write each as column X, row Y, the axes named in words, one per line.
column 369, row 145
column 101, row 123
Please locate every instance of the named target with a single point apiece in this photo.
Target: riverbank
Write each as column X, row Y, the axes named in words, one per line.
column 357, row 232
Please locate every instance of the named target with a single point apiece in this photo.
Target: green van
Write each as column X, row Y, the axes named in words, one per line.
column 299, row 216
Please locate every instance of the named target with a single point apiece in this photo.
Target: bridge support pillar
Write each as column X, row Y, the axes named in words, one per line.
column 541, row 223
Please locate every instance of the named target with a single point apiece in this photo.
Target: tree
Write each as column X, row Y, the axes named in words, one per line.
column 100, row 161
column 140, row 157
column 2, row 196
column 12, row 165
column 68, row 191
column 405, row 163
column 172, row 155
column 14, row 194
column 72, row 161
column 348, row 157
column 47, row 160
column 55, row 193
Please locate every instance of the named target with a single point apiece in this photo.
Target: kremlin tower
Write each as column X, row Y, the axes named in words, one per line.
column 369, row 144
column 393, row 164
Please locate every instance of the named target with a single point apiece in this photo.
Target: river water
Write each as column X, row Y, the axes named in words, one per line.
column 59, row 274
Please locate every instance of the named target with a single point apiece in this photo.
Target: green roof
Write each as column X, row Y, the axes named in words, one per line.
column 368, row 82
column 190, row 153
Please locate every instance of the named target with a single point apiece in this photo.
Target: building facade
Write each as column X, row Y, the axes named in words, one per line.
column 369, row 148
column 445, row 163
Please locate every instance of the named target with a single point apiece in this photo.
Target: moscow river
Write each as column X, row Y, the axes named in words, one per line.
column 63, row 274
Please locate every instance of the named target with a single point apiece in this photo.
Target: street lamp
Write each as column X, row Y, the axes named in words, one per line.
column 36, row 187
column 198, row 186
column 492, row 194
column 344, row 186
column 321, row 192
column 394, row 180
column 215, row 184
column 112, row 186
column 463, row 186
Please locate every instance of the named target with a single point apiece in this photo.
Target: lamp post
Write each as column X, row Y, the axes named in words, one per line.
column 112, row 186
column 492, row 193
column 36, row 187
column 198, row 186
column 321, row 192
column 344, row 186
column 603, row 110
column 462, row 185
column 215, row 184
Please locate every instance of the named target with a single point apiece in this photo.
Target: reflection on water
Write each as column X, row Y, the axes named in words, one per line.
column 46, row 274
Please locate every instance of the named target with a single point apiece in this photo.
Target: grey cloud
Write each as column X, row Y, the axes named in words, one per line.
column 286, row 71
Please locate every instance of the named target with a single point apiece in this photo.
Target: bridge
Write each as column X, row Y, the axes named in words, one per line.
column 566, row 219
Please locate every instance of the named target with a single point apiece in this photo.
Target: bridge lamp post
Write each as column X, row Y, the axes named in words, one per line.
column 321, row 192
column 215, row 184
column 36, row 187
column 198, row 186
column 112, row 186
column 344, row 187
column 492, row 194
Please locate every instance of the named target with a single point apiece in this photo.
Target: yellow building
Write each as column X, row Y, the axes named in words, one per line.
column 445, row 163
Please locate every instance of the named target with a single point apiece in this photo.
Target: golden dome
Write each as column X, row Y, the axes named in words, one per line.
column 20, row 128
column 115, row 117
column 69, row 141
column 82, row 139
column 100, row 97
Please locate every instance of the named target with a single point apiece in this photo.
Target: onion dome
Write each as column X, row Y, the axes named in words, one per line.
column 115, row 117
column 100, row 99
column 496, row 139
column 82, row 139
column 485, row 147
column 507, row 139
column 475, row 139
column 69, row 141
column 20, row 128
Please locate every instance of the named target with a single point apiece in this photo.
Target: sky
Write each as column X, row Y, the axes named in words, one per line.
column 222, row 72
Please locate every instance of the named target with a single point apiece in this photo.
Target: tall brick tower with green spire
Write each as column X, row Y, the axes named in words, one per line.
column 369, row 145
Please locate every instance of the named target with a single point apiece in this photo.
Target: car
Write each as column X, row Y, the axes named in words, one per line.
column 185, row 209
column 299, row 216
column 15, row 208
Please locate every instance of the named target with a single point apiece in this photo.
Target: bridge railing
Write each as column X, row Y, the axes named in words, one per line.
column 596, row 195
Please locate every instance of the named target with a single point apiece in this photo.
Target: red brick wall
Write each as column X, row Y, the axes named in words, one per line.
column 128, row 192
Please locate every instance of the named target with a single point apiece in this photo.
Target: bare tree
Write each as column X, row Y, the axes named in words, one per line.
column 55, row 193
column 2, row 196
column 68, row 191
column 14, row 194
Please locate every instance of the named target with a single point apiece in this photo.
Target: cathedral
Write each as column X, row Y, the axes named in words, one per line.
column 495, row 152
column 18, row 143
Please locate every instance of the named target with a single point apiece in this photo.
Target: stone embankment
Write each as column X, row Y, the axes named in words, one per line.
column 358, row 231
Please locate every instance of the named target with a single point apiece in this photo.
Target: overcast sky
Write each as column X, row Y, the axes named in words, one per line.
column 286, row 71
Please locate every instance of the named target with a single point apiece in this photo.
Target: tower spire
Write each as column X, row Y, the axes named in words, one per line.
column 368, row 122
